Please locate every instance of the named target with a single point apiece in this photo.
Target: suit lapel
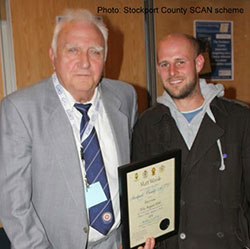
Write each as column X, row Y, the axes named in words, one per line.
column 63, row 143
column 207, row 136
column 119, row 124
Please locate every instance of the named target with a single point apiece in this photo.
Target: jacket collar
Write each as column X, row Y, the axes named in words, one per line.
column 160, row 112
column 217, row 106
column 163, row 110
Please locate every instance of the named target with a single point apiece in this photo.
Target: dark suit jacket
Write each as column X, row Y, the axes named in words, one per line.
column 215, row 204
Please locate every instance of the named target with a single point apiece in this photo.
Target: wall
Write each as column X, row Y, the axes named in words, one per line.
column 167, row 23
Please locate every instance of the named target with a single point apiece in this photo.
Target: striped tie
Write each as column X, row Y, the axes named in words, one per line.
column 101, row 216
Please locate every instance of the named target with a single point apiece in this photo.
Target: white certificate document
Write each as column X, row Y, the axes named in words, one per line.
column 151, row 201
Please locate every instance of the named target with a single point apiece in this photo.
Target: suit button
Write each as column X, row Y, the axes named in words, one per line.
column 220, row 235
column 182, row 202
column 85, row 229
column 183, row 236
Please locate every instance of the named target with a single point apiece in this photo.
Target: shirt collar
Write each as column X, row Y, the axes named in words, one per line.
column 72, row 101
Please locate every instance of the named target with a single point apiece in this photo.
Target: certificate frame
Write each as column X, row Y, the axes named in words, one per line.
column 146, row 180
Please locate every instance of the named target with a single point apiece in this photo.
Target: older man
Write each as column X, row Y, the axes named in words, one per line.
column 61, row 141
column 214, row 135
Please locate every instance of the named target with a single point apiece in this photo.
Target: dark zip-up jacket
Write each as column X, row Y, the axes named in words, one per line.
column 214, row 204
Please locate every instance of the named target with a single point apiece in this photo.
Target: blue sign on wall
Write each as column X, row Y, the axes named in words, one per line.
column 216, row 39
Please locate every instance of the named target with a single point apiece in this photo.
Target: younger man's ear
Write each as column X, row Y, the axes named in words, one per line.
column 199, row 62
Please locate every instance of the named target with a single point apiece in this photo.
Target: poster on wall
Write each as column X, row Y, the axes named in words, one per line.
column 216, row 39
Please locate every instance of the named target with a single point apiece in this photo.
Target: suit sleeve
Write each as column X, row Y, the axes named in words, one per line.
column 17, row 212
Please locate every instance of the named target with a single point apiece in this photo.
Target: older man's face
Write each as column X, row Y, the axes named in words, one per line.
column 79, row 60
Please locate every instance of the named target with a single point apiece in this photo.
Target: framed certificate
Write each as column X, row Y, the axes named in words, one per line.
column 149, row 198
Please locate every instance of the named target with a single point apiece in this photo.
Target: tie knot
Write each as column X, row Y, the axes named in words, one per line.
column 82, row 108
